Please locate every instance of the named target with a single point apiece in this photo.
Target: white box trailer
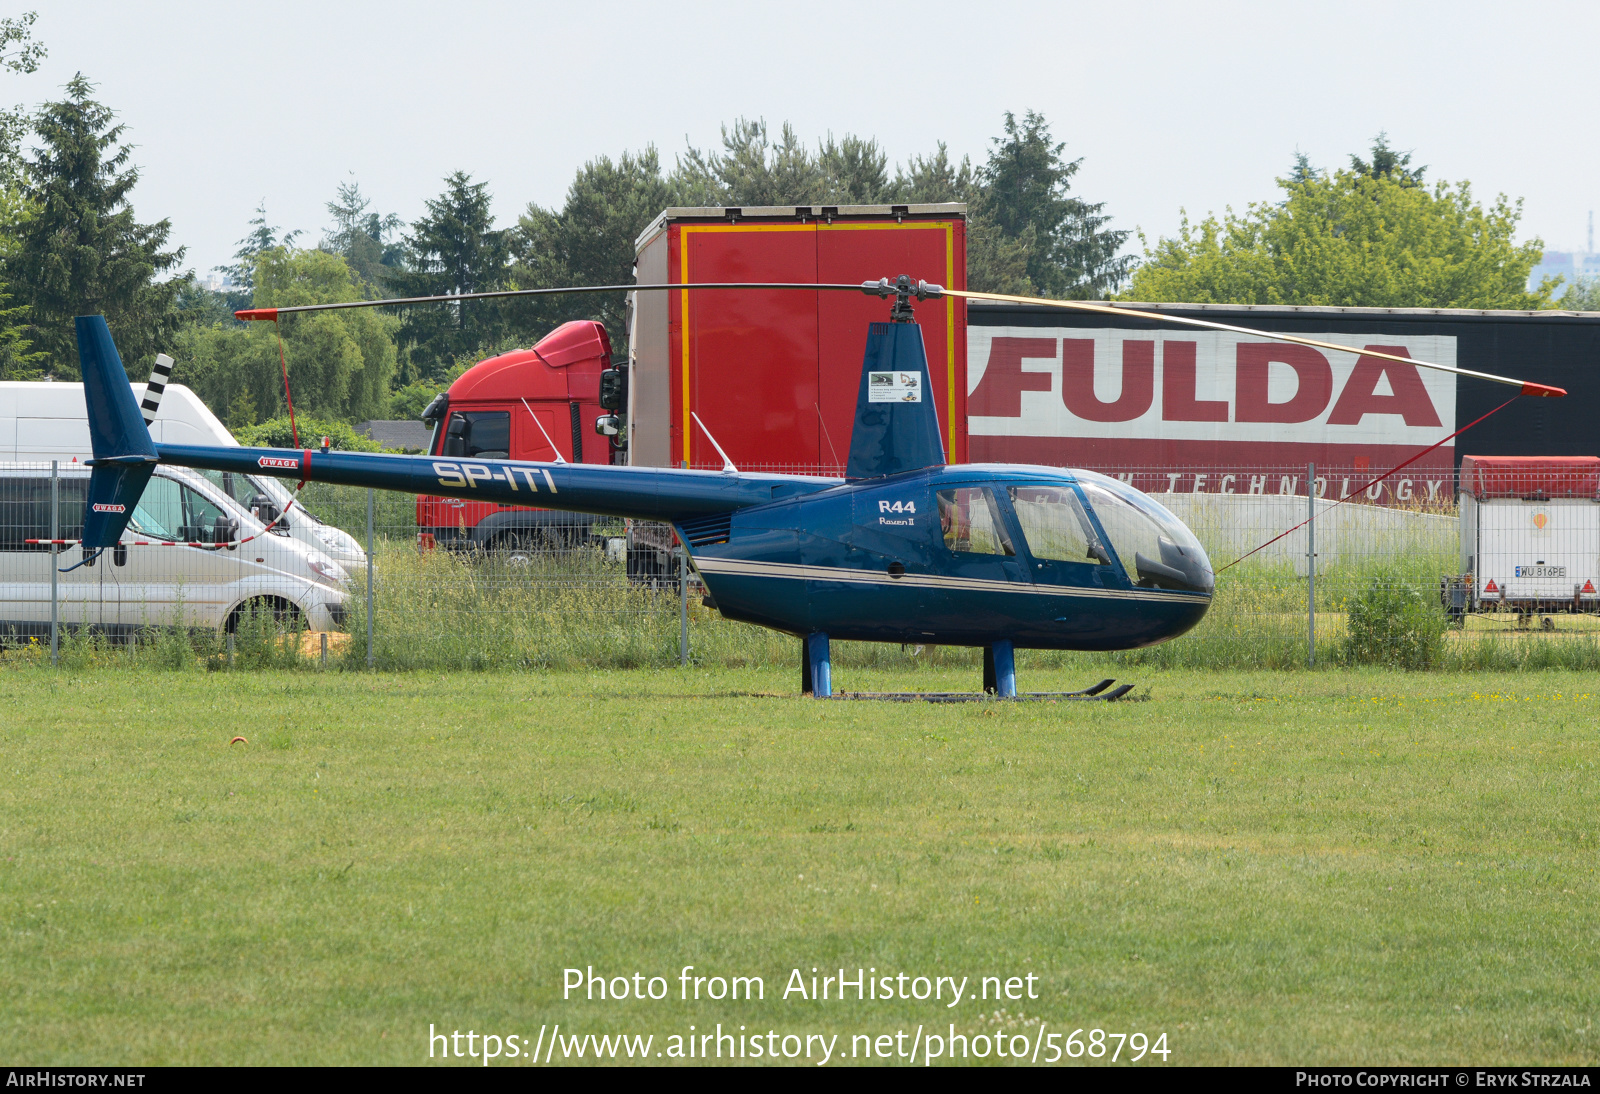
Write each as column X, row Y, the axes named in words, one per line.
column 1530, row 533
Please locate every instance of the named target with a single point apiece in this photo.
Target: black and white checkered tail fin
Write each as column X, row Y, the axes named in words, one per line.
column 154, row 389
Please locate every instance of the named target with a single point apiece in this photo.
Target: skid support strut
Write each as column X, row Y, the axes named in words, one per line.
column 1000, row 671
column 816, row 666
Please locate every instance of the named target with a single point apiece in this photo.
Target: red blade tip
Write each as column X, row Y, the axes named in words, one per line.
column 247, row 314
column 1529, row 388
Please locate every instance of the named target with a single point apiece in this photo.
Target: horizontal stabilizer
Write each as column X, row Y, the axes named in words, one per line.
column 114, row 490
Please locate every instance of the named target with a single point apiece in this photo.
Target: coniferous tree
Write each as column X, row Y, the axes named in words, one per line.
column 1026, row 201
column 588, row 241
column 261, row 237
column 80, row 250
column 455, row 248
column 1387, row 163
column 363, row 239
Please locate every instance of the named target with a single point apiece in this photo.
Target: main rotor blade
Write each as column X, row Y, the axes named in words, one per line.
column 1528, row 387
column 922, row 290
column 269, row 314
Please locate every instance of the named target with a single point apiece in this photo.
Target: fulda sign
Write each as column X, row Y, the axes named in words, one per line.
column 1119, row 398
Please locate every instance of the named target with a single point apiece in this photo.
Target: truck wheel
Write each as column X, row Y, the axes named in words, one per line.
column 516, row 548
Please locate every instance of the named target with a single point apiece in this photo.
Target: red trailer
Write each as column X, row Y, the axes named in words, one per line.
column 529, row 404
column 773, row 374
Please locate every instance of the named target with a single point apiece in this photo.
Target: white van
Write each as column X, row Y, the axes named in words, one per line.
column 41, row 421
column 149, row 579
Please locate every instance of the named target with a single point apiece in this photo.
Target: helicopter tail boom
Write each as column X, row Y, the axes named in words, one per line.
column 640, row 493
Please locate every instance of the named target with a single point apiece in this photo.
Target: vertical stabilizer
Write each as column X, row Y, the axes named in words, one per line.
column 897, row 427
column 124, row 455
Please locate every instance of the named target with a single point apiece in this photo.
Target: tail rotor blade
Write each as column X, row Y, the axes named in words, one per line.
column 155, row 388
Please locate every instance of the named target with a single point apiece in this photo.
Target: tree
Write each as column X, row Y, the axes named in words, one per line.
column 1386, row 163
column 80, row 250
column 261, row 237
column 752, row 169
column 19, row 53
column 755, row 169
column 1582, row 295
column 1025, row 198
column 855, row 171
column 1352, row 240
column 18, row 359
column 340, row 363
column 589, row 241
column 361, row 238
column 455, row 248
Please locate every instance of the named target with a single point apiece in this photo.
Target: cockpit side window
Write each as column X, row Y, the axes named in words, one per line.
column 1055, row 526
column 970, row 520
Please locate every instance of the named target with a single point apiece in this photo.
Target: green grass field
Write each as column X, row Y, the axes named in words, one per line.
column 1354, row 867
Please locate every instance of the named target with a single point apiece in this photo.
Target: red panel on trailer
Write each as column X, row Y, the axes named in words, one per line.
column 1533, row 477
column 750, row 358
column 774, row 374
column 932, row 251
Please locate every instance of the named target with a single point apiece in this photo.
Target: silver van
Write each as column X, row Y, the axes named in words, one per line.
column 42, row 421
column 153, row 578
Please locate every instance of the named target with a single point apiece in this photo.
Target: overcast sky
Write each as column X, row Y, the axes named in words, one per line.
column 1180, row 105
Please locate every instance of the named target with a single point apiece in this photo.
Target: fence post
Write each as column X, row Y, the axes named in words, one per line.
column 369, row 578
column 55, row 551
column 683, row 606
column 1311, row 565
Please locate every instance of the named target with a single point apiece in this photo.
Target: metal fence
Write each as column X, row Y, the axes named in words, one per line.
column 1386, row 577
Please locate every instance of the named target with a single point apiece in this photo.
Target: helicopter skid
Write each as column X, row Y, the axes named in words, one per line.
column 1098, row 693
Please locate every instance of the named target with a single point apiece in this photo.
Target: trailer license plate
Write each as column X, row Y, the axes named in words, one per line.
column 1541, row 571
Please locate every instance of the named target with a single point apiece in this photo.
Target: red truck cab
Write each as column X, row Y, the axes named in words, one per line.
column 529, row 404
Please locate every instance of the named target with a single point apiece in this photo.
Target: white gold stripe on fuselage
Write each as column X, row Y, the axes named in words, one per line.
column 797, row 572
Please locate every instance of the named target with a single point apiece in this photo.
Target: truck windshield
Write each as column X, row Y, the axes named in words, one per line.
column 485, row 434
column 1156, row 549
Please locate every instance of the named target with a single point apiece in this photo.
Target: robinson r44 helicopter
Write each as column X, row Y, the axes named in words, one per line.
column 904, row 548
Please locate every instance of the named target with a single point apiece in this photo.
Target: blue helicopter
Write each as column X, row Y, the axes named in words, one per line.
column 904, row 548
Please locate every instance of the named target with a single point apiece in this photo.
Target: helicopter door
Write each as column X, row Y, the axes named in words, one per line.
column 980, row 552
column 1065, row 551
column 1063, row 543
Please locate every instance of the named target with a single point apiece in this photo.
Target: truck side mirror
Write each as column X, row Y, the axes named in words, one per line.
column 435, row 409
column 608, row 425
column 613, row 389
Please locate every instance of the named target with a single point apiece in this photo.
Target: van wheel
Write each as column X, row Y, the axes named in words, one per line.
column 286, row 615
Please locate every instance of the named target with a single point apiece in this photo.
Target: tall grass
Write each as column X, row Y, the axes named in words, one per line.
column 438, row 610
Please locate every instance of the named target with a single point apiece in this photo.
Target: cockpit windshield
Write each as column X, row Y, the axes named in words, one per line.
column 1156, row 549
